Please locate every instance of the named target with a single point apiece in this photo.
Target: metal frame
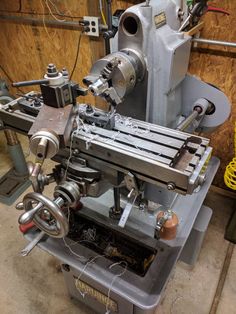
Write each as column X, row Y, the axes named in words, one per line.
column 142, row 294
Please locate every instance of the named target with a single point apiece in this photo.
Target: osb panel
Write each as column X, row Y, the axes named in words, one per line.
column 25, row 50
column 217, row 65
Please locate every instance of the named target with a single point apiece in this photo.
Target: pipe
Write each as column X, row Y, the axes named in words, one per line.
column 109, row 24
column 214, row 42
column 109, row 15
column 116, row 192
column 36, row 21
column 16, row 153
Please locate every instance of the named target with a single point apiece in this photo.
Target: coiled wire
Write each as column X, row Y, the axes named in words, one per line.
column 230, row 171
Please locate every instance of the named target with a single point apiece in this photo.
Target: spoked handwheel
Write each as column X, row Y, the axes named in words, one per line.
column 46, row 214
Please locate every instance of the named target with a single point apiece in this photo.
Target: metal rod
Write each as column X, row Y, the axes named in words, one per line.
column 36, row 21
column 109, row 15
column 59, row 201
column 16, row 153
column 30, row 83
column 185, row 23
column 183, row 125
column 116, row 192
column 109, row 24
column 214, row 42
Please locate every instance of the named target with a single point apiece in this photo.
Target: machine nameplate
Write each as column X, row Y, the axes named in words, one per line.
column 96, row 294
column 160, row 19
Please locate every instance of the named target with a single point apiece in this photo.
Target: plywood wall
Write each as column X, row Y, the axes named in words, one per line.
column 217, row 65
column 26, row 49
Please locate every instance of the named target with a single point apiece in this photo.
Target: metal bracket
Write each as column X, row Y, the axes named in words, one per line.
column 131, row 184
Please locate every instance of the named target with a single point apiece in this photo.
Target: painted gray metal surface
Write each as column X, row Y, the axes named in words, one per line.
column 191, row 251
column 162, row 98
column 167, row 57
column 167, row 93
column 198, row 90
column 18, row 159
column 154, row 155
column 144, row 292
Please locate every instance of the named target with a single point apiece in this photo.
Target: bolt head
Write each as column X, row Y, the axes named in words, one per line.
column 171, row 186
column 76, row 152
column 46, row 215
column 64, row 72
column 52, row 70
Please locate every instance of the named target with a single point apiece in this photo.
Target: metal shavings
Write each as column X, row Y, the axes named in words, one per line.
column 113, row 138
column 90, row 234
column 129, row 123
column 89, row 141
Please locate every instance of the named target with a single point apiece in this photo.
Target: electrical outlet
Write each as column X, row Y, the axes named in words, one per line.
column 92, row 25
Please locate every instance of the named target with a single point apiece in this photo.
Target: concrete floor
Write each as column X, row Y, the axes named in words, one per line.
column 34, row 284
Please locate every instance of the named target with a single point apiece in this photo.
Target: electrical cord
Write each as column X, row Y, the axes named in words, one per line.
column 44, row 24
column 40, row 14
column 20, row 6
column 102, row 13
column 58, row 13
column 77, row 55
column 50, row 10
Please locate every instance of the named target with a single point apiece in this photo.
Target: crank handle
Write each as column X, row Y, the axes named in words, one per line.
column 29, row 215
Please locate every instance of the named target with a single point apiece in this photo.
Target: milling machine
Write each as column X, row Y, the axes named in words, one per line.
column 130, row 181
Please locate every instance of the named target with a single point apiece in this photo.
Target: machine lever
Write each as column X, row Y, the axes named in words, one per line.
column 30, row 83
column 29, row 215
column 32, row 244
column 126, row 212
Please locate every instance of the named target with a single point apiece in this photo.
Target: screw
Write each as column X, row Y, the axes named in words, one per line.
column 171, row 186
column 52, row 70
column 76, row 152
column 89, row 108
column 65, row 267
column 201, row 179
column 65, row 73
column 143, row 206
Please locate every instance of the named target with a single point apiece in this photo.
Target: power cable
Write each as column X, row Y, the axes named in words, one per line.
column 51, row 12
column 77, row 55
column 20, row 6
column 33, row 13
column 40, row 14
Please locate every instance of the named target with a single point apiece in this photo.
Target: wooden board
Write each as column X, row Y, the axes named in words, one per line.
column 217, row 65
column 26, row 50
